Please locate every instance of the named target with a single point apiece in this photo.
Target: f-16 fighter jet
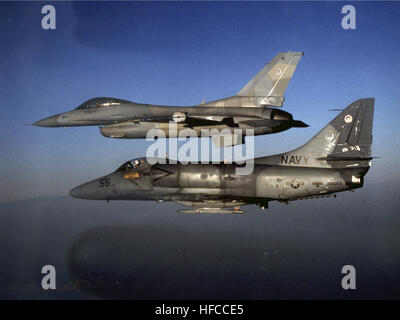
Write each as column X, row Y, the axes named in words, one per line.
column 248, row 109
column 334, row 160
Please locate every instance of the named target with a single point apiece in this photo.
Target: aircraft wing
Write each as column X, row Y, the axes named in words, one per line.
column 192, row 121
column 219, row 140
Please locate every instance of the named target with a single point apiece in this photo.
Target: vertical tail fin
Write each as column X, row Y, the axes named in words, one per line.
column 270, row 83
column 354, row 126
column 345, row 142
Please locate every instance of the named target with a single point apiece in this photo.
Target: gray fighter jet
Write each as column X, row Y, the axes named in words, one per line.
column 248, row 109
column 334, row 160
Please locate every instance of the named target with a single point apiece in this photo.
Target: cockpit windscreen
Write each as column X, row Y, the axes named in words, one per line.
column 101, row 102
column 131, row 164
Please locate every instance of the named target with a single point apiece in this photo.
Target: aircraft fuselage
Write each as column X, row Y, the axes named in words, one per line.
column 218, row 185
column 135, row 120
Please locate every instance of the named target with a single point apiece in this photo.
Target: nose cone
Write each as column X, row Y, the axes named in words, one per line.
column 48, row 122
column 86, row 191
column 76, row 192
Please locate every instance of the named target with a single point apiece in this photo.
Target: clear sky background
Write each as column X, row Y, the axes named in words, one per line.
column 175, row 53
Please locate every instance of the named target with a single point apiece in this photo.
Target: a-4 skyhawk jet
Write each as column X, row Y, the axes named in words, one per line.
column 334, row 160
column 250, row 108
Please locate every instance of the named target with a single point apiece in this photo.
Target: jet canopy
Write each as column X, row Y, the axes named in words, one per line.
column 101, row 102
column 132, row 164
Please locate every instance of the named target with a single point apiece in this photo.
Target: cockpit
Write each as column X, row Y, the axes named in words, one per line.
column 101, row 102
column 132, row 164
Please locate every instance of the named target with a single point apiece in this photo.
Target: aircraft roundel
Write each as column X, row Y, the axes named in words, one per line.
column 348, row 118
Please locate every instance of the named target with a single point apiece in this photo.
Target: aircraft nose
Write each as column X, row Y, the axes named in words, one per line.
column 47, row 122
column 84, row 191
column 76, row 192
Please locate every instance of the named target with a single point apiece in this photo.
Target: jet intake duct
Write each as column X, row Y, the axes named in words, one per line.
column 126, row 130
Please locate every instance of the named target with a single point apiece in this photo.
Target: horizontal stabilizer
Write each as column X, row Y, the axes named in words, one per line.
column 345, row 158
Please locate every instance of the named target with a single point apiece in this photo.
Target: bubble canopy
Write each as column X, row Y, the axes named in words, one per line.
column 101, row 102
column 131, row 164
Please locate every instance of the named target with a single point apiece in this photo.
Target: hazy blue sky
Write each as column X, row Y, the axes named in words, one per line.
column 179, row 53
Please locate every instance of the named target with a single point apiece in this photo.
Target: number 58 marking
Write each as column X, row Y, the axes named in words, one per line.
column 104, row 182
